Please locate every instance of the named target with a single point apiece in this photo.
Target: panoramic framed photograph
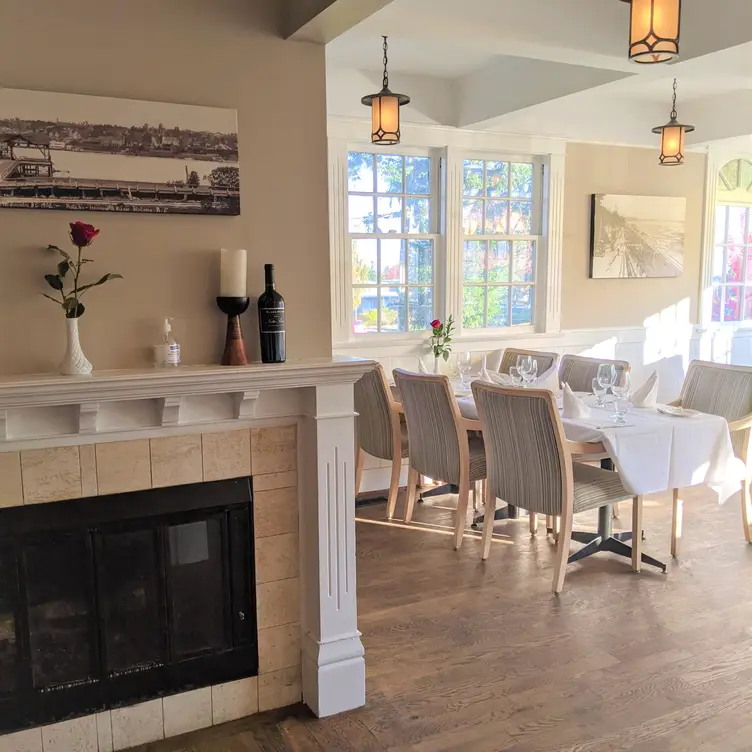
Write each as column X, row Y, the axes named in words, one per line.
column 84, row 153
column 636, row 236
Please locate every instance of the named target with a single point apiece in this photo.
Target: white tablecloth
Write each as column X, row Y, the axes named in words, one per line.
column 657, row 452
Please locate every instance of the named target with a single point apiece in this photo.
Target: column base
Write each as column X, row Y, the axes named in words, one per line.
column 334, row 675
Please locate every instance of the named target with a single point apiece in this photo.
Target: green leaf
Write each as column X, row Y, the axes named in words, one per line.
column 63, row 253
column 446, row 354
column 101, row 281
column 62, row 269
column 49, row 297
column 54, row 281
column 73, row 309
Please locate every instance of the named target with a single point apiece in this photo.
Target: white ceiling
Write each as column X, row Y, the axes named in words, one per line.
column 549, row 67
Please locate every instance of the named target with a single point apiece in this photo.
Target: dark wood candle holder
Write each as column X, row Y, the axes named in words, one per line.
column 234, row 354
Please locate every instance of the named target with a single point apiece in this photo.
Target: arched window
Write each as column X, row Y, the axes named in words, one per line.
column 732, row 250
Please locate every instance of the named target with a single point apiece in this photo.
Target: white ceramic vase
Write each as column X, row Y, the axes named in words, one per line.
column 437, row 365
column 75, row 362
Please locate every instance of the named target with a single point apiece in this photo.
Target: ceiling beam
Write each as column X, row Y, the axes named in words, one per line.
column 324, row 20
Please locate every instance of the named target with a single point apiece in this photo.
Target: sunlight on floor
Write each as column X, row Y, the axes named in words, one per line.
column 423, row 527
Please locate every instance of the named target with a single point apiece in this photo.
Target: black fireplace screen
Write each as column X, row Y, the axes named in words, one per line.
column 114, row 600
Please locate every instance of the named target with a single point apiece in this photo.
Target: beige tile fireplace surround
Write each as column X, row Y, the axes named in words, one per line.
column 281, row 453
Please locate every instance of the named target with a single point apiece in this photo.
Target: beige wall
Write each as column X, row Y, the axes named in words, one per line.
column 588, row 303
column 224, row 53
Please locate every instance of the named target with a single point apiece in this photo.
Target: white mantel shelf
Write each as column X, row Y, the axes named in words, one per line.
column 109, row 403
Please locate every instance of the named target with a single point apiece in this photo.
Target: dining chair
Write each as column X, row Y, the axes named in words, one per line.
column 579, row 371
column 725, row 390
column 530, row 465
column 545, row 360
column 380, row 430
column 443, row 444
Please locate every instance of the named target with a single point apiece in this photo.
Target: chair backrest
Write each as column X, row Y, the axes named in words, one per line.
column 373, row 403
column 720, row 389
column 579, row 371
column 545, row 360
column 432, row 418
column 524, row 441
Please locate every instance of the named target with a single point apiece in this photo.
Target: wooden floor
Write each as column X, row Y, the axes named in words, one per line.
column 480, row 657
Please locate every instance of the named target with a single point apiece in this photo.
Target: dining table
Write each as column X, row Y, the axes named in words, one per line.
column 657, row 449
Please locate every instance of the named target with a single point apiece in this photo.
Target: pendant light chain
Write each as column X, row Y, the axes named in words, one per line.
column 386, row 60
column 673, row 108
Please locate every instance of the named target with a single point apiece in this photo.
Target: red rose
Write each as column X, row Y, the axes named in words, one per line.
column 82, row 234
column 435, row 324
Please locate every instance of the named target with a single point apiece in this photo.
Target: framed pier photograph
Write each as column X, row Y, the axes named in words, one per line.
column 84, row 153
column 636, row 236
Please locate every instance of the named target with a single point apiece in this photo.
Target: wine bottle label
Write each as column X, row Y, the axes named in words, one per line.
column 272, row 320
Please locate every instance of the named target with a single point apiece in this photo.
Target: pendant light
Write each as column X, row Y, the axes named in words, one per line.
column 672, row 138
column 385, row 116
column 654, row 30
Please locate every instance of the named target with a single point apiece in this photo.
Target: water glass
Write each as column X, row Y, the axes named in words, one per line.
column 530, row 375
column 464, row 364
column 621, row 408
column 599, row 393
column 515, row 375
column 606, row 375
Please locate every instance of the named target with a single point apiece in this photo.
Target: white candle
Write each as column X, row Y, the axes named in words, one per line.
column 233, row 273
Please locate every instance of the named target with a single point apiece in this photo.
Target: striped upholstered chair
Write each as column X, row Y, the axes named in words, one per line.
column 443, row 444
column 726, row 391
column 381, row 432
column 579, row 371
column 530, row 465
column 545, row 360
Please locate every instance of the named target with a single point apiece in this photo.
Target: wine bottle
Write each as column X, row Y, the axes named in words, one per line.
column 271, row 309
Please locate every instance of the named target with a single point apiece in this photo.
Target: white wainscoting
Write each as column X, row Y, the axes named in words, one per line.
column 665, row 348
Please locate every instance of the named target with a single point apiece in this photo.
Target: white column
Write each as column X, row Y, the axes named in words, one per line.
column 334, row 672
column 553, row 201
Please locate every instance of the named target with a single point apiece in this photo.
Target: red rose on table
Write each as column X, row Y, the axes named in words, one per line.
column 82, row 234
column 435, row 324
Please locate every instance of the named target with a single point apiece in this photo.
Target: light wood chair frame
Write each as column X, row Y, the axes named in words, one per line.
column 462, row 425
column 741, row 424
column 395, row 410
column 534, row 354
column 568, row 450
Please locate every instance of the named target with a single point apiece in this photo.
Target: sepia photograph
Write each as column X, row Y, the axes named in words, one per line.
column 84, row 153
column 636, row 236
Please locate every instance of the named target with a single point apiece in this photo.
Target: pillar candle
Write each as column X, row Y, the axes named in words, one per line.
column 233, row 274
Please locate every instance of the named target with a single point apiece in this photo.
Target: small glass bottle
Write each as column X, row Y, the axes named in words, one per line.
column 167, row 352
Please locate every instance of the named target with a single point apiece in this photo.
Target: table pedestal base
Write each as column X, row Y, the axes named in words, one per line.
column 503, row 513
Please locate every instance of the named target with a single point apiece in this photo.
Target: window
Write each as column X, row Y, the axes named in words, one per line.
column 732, row 252
column 500, row 227
column 392, row 220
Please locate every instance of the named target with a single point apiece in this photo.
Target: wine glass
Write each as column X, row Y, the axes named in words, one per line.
column 621, row 386
column 599, row 393
column 530, row 375
column 606, row 375
column 524, row 363
column 621, row 408
column 464, row 364
column 515, row 375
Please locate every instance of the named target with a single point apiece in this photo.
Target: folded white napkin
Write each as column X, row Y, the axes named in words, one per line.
column 501, row 379
column 647, row 394
column 421, row 366
column 573, row 406
column 549, row 380
column 493, row 359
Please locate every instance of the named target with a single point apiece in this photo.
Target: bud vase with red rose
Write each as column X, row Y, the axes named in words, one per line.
column 68, row 274
column 441, row 336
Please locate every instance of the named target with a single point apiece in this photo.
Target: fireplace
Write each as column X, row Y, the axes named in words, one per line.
column 110, row 601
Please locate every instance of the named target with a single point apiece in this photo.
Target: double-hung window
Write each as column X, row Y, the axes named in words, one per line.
column 501, row 232
column 392, row 230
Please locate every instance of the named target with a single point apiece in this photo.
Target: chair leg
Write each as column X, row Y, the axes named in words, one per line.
column 360, row 458
column 533, row 523
column 637, row 533
column 562, row 552
column 556, row 527
column 615, row 511
column 461, row 519
column 746, row 512
column 677, row 513
column 412, row 490
column 391, row 504
column 475, row 496
column 488, row 512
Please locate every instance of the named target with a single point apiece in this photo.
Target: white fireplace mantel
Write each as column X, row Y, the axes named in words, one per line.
column 49, row 410
column 41, row 410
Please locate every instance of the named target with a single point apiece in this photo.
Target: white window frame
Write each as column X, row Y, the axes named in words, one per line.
column 450, row 147
column 537, row 237
column 435, row 212
column 718, row 157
